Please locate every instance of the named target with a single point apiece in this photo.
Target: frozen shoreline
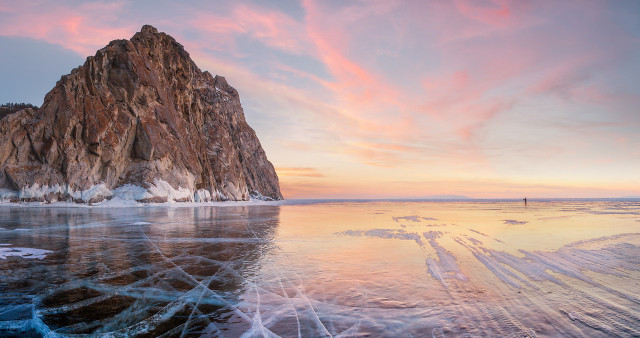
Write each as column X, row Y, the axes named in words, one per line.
column 157, row 193
column 120, row 203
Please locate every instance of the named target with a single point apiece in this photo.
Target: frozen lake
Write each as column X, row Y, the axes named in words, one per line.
column 381, row 268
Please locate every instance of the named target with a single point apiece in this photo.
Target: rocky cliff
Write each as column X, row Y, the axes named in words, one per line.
column 138, row 120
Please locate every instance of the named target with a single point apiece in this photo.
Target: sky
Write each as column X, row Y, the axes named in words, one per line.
column 389, row 99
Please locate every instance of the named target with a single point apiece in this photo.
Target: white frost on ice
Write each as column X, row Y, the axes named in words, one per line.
column 130, row 195
column 41, row 191
column 161, row 188
column 202, row 195
column 130, row 192
column 95, row 191
column 256, row 195
column 220, row 196
column 29, row 253
column 7, row 194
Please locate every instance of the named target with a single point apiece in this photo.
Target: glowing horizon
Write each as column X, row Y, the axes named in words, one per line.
column 381, row 99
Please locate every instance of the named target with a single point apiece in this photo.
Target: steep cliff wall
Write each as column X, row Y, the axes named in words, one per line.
column 139, row 113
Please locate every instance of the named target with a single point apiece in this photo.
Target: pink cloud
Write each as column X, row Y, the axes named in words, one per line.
column 79, row 28
column 409, row 83
column 494, row 13
column 273, row 28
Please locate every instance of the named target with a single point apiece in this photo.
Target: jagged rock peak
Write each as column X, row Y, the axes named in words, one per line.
column 148, row 29
column 137, row 120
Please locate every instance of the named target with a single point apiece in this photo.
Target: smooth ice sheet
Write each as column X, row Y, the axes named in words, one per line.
column 380, row 268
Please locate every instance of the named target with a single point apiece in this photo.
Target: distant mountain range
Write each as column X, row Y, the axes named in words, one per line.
column 447, row 197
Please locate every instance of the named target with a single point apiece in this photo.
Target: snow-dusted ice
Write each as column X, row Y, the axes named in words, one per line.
column 380, row 268
column 22, row 252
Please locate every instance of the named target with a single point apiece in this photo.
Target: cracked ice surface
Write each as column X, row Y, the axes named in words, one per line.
column 569, row 268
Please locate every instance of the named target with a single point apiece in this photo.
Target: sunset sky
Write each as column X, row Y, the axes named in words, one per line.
column 389, row 99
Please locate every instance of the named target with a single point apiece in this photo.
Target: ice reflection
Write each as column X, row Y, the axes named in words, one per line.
column 488, row 268
column 137, row 271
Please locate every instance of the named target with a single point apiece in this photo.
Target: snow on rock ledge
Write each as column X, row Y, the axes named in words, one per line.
column 45, row 193
column 159, row 191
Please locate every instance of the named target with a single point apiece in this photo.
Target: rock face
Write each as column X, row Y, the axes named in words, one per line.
column 138, row 113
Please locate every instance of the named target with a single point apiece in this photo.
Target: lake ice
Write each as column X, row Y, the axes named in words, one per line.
column 341, row 268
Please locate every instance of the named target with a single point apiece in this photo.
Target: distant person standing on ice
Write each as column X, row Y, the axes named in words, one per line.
column 525, row 201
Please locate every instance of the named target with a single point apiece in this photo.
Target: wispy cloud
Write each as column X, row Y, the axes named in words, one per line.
column 431, row 90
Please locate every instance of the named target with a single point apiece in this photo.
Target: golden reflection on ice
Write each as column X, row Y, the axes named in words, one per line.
column 478, row 268
column 486, row 268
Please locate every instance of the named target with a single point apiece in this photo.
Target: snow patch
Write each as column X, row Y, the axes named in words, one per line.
column 220, row 196
column 514, row 222
column 38, row 191
column 130, row 192
column 128, row 195
column 7, row 194
column 161, row 188
column 29, row 253
column 256, row 195
column 95, row 191
column 202, row 195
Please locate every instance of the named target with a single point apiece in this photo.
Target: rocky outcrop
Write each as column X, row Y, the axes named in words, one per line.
column 139, row 113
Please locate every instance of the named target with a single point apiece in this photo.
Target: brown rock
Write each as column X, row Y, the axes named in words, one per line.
column 138, row 111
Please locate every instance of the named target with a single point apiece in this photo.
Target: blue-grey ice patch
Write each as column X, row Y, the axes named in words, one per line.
column 514, row 222
column 485, row 235
column 432, row 234
column 474, row 241
column 413, row 218
column 29, row 253
column 384, row 233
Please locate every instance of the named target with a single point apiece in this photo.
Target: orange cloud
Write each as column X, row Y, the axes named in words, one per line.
column 301, row 172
